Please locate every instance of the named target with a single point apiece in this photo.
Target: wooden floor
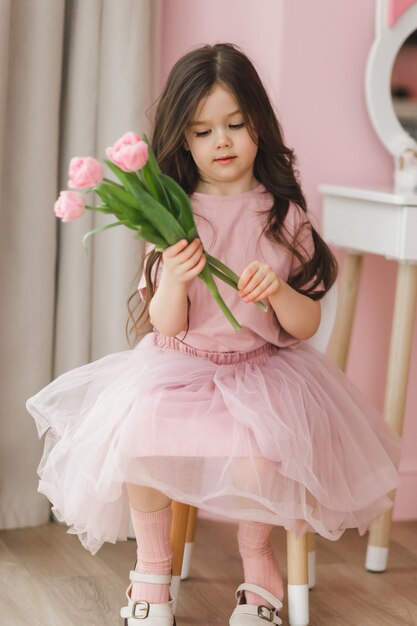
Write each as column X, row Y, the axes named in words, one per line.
column 48, row 579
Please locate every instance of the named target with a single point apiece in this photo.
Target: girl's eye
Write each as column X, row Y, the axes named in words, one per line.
column 204, row 133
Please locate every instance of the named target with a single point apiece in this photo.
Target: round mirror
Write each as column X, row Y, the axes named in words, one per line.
column 390, row 47
column 404, row 85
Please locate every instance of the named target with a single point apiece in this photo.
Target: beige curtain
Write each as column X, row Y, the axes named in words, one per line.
column 74, row 76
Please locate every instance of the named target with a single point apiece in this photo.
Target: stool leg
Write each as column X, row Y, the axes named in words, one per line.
column 178, row 533
column 395, row 396
column 311, row 560
column 297, row 574
column 189, row 542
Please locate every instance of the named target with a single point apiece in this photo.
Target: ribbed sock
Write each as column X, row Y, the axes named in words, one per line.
column 154, row 552
column 259, row 563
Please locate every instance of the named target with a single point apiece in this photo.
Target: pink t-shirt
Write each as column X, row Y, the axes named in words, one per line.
column 230, row 229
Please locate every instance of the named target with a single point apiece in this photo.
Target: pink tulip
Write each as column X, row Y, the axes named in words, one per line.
column 69, row 206
column 85, row 172
column 130, row 152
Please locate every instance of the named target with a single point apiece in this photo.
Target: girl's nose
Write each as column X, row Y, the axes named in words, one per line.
column 222, row 139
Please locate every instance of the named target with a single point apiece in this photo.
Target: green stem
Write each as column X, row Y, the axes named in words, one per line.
column 207, row 278
column 229, row 281
column 221, row 266
column 214, row 270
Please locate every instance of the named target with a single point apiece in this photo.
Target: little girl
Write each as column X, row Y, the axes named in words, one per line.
column 257, row 425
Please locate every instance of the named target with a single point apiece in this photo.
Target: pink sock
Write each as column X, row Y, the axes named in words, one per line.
column 259, row 563
column 154, row 553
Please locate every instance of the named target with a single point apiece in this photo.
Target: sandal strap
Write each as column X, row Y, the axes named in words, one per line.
column 142, row 610
column 260, row 591
column 158, row 579
column 263, row 612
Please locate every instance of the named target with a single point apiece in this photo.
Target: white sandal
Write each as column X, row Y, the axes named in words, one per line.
column 154, row 614
column 252, row 614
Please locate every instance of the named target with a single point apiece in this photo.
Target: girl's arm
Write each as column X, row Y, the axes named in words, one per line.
column 297, row 314
column 168, row 308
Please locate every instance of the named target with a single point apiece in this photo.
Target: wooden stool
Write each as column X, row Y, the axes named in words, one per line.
column 301, row 574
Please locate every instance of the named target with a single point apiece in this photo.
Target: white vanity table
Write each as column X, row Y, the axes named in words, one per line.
column 376, row 220
column 381, row 222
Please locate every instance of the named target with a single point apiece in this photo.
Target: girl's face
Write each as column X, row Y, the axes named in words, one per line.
column 221, row 145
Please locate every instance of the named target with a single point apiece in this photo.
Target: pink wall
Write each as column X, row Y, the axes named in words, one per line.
column 311, row 56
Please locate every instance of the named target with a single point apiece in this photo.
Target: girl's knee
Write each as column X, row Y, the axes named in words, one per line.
column 146, row 499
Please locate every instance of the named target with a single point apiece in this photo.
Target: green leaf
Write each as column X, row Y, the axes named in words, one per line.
column 121, row 209
column 153, row 163
column 148, row 234
column 150, row 209
column 129, row 180
column 183, row 204
column 157, row 189
column 152, row 172
column 119, row 194
column 148, row 176
column 174, row 203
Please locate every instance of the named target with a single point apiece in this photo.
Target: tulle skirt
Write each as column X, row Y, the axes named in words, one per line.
column 274, row 435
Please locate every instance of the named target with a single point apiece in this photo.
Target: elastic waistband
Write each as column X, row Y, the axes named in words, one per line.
column 260, row 355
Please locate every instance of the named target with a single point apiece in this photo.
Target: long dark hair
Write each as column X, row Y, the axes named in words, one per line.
column 192, row 78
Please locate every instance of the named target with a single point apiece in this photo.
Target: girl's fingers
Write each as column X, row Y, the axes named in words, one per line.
column 189, row 251
column 176, row 248
column 246, row 275
column 256, row 279
column 182, row 249
column 191, row 261
column 196, row 269
column 184, row 261
column 258, row 291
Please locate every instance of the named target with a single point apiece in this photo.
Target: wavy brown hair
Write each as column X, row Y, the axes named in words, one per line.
column 192, row 78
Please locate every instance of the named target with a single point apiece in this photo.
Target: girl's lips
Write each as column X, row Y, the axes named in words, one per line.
column 225, row 161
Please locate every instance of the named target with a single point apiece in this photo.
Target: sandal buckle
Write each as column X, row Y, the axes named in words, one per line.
column 264, row 612
column 143, row 606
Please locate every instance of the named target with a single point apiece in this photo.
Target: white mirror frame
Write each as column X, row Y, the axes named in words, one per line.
column 388, row 41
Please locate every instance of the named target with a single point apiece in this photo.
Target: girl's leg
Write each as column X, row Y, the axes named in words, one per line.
column 151, row 518
column 146, row 499
column 259, row 563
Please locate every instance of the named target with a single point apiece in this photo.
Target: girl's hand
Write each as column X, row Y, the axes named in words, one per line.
column 257, row 281
column 184, row 261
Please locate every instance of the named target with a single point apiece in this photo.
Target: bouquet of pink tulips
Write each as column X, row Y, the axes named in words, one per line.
column 145, row 200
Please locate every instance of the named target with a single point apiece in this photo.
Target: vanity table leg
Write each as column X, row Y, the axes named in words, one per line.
column 348, row 292
column 395, row 396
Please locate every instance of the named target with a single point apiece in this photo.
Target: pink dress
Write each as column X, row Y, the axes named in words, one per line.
column 253, row 425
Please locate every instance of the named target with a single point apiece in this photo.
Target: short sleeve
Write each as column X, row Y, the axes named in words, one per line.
column 142, row 283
